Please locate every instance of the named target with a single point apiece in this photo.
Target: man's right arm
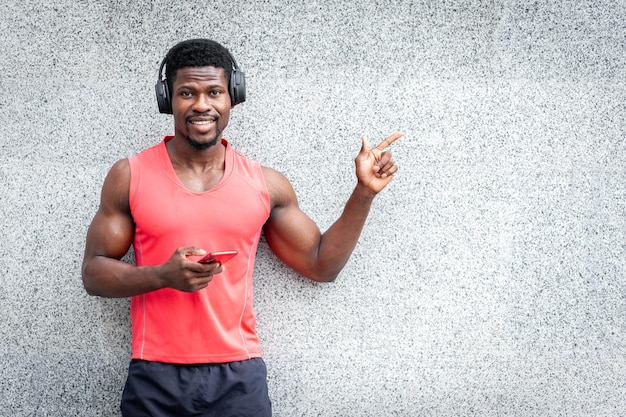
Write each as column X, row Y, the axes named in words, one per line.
column 108, row 239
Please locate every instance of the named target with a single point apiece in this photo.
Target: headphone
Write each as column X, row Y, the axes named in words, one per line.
column 236, row 87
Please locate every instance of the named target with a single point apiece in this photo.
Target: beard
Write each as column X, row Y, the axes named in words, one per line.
column 200, row 146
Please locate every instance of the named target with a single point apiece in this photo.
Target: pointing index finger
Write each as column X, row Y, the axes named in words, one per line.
column 391, row 139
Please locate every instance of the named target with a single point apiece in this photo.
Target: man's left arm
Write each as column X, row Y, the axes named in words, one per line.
column 297, row 240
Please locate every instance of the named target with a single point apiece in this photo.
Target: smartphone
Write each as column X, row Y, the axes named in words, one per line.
column 221, row 257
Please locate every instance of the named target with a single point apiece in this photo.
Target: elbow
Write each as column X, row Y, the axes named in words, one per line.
column 324, row 273
column 88, row 284
column 89, row 288
column 326, row 277
column 329, row 278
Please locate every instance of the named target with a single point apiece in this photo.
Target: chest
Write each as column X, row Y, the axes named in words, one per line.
column 199, row 182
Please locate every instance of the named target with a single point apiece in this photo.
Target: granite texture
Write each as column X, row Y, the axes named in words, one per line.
column 491, row 276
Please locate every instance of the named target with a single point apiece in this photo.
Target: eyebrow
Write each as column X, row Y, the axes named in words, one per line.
column 192, row 86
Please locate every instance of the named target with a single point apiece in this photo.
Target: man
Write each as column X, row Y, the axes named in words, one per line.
column 194, row 346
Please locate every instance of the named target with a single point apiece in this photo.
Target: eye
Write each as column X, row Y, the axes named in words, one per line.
column 185, row 93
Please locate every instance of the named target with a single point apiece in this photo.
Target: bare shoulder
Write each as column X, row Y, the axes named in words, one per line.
column 116, row 188
column 280, row 189
column 120, row 170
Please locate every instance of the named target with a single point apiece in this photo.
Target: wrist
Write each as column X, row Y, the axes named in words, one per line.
column 364, row 192
column 156, row 276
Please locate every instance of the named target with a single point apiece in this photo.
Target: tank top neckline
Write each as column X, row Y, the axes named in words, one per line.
column 166, row 163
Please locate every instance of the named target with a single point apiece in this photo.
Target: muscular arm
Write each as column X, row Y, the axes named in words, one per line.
column 108, row 239
column 297, row 240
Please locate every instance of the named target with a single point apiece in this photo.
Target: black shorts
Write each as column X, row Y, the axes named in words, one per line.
column 236, row 389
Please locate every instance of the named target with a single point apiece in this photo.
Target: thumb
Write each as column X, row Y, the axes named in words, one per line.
column 191, row 251
column 365, row 144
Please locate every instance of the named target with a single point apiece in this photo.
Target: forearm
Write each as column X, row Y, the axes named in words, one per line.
column 339, row 241
column 111, row 278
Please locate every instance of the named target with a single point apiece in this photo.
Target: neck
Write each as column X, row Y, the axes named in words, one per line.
column 198, row 170
column 186, row 153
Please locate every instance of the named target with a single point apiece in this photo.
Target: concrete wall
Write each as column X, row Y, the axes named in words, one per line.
column 490, row 279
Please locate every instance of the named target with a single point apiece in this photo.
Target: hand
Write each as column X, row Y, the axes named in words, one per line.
column 186, row 275
column 374, row 167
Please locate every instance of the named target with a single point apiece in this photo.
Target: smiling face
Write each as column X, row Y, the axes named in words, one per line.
column 201, row 105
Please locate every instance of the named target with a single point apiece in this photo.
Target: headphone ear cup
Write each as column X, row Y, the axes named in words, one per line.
column 163, row 97
column 237, row 87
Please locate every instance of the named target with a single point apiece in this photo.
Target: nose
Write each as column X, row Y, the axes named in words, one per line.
column 202, row 103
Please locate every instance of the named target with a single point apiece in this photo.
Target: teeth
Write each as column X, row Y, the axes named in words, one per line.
column 201, row 122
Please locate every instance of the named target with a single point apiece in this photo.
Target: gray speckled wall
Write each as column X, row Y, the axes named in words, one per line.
column 490, row 279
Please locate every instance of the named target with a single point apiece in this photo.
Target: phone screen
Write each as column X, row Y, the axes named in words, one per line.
column 221, row 257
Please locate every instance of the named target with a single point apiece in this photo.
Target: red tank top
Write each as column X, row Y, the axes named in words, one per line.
column 216, row 324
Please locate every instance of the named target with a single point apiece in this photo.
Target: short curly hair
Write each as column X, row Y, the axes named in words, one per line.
column 196, row 53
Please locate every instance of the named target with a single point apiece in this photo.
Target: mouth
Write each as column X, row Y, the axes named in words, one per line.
column 203, row 123
column 200, row 121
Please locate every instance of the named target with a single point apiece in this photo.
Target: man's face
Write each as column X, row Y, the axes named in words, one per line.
column 201, row 105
